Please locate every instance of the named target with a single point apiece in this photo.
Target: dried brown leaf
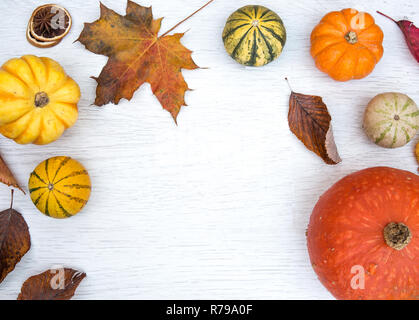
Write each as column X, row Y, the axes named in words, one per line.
column 7, row 177
column 309, row 120
column 59, row 284
column 15, row 240
column 137, row 54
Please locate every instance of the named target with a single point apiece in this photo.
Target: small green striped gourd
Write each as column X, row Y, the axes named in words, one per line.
column 391, row 119
column 59, row 187
column 254, row 36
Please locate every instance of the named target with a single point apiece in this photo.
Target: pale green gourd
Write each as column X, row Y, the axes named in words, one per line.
column 391, row 119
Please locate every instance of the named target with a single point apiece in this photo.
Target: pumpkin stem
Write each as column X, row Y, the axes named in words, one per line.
column 41, row 99
column 397, row 235
column 351, row 37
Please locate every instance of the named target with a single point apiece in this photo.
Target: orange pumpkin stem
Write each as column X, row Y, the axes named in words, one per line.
column 397, row 235
column 351, row 37
column 41, row 99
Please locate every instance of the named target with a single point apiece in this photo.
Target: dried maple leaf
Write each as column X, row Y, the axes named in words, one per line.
column 58, row 284
column 15, row 240
column 6, row 176
column 309, row 120
column 138, row 55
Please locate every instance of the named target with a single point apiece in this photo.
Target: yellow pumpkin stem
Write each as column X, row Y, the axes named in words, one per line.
column 41, row 99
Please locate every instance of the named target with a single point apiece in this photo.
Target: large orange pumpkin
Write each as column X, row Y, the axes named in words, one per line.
column 347, row 44
column 363, row 236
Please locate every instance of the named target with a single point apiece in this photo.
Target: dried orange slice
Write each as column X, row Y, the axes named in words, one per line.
column 48, row 24
column 40, row 44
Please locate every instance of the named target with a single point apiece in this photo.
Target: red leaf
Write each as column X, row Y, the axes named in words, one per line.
column 58, row 284
column 411, row 34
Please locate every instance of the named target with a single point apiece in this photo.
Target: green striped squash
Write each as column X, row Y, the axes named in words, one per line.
column 59, row 187
column 254, row 36
column 391, row 119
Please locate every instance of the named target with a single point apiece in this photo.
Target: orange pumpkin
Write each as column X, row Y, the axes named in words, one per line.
column 363, row 236
column 347, row 44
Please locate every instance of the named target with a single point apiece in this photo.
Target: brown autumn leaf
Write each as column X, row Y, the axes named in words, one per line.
column 6, row 176
column 15, row 240
column 309, row 120
column 59, row 284
column 138, row 55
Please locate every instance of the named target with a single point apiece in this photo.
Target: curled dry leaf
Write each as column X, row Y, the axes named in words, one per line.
column 15, row 240
column 6, row 176
column 410, row 32
column 138, row 55
column 58, row 284
column 309, row 120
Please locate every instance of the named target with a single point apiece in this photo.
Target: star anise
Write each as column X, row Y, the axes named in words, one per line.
column 43, row 25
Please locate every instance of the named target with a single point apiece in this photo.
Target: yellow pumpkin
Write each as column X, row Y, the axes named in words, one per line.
column 38, row 101
column 59, row 187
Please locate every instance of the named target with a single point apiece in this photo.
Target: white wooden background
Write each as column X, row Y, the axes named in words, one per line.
column 217, row 207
